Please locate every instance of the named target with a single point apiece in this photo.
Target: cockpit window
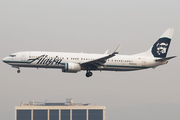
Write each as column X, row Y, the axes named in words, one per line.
column 12, row 55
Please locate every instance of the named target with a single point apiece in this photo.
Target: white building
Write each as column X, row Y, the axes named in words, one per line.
column 59, row 111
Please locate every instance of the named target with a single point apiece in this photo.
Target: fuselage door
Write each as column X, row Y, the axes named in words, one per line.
column 143, row 62
column 23, row 57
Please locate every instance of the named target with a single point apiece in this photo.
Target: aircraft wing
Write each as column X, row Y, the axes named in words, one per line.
column 100, row 61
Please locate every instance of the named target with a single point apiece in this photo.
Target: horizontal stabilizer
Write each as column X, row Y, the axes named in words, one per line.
column 165, row 59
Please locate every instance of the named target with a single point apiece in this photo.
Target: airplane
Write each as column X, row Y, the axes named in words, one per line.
column 75, row 62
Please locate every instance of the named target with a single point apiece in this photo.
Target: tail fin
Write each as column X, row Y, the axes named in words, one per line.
column 161, row 46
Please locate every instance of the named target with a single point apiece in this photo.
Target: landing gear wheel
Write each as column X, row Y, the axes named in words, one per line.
column 18, row 71
column 89, row 74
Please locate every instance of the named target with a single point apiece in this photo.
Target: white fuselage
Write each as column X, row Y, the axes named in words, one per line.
column 75, row 62
column 58, row 60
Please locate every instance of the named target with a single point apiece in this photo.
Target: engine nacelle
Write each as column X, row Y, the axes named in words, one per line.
column 71, row 67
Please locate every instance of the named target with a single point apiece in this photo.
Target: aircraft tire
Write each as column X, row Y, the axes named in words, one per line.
column 89, row 74
column 18, row 71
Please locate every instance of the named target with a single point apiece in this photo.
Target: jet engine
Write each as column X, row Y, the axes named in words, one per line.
column 71, row 67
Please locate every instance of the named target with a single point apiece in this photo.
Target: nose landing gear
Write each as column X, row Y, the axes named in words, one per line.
column 18, row 71
column 89, row 73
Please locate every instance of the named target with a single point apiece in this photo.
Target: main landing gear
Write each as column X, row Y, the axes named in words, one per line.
column 18, row 71
column 89, row 73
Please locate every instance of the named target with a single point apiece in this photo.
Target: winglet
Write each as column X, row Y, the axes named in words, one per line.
column 106, row 52
column 117, row 49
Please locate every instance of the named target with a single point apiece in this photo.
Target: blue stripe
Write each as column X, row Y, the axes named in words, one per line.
column 126, row 66
column 9, row 61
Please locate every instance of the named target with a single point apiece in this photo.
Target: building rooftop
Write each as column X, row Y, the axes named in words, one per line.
column 69, row 102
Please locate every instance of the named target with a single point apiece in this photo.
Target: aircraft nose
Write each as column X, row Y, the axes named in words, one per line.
column 4, row 59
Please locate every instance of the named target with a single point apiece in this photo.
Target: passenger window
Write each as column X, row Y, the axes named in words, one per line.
column 12, row 55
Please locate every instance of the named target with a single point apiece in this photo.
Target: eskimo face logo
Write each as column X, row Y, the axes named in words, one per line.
column 161, row 48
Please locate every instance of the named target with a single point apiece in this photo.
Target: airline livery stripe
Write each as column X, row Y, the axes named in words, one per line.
column 9, row 61
column 126, row 66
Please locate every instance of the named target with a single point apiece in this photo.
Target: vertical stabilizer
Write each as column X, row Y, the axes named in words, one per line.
column 161, row 46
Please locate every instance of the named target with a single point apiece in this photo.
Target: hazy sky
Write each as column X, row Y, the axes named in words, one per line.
column 91, row 26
